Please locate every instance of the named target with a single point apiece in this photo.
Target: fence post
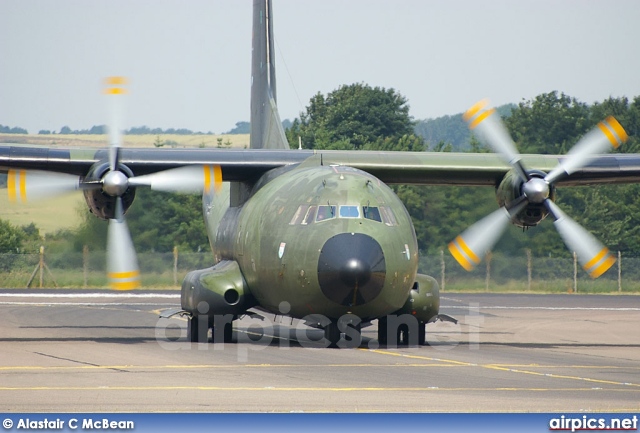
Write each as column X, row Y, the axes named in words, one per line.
column 41, row 265
column 442, row 270
column 619, row 271
column 488, row 260
column 85, row 265
column 529, row 269
column 175, row 265
column 575, row 272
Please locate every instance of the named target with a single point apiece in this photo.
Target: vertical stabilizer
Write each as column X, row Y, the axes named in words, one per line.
column 266, row 127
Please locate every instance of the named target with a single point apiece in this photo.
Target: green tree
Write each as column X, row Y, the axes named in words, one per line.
column 11, row 237
column 549, row 124
column 157, row 221
column 352, row 117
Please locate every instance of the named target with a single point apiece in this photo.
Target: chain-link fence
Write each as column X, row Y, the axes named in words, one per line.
column 166, row 270
column 525, row 272
column 88, row 269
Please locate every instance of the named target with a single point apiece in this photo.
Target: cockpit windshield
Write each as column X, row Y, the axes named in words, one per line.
column 308, row 214
column 326, row 212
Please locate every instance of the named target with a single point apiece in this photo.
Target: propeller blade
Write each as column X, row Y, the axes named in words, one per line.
column 492, row 132
column 122, row 263
column 477, row 240
column 191, row 179
column 592, row 255
column 25, row 185
column 606, row 135
column 115, row 89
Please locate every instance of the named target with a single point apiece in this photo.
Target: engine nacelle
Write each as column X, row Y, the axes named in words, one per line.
column 100, row 203
column 219, row 290
column 424, row 299
column 510, row 189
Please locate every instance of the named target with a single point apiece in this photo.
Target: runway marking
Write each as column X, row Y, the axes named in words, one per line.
column 82, row 304
column 299, row 389
column 92, row 295
column 498, row 367
column 502, row 307
column 214, row 366
column 439, row 364
column 608, row 367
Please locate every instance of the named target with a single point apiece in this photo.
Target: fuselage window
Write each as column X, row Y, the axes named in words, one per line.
column 311, row 213
column 371, row 213
column 349, row 212
column 299, row 215
column 326, row 212
column 387, row 216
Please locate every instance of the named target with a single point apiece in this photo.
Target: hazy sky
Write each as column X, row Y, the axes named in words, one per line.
column 188, row 61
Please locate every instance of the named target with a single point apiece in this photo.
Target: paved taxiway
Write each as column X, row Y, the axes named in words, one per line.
column 106, row 351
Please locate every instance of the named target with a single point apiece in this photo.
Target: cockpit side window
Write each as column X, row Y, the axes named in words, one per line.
column 349, row 212
column 387, row 216
column 326, row 212
column 311, row 213
column 371, row 213
column 299, row 215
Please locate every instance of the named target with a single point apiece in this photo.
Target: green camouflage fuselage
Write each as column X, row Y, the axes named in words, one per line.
column 292, row 235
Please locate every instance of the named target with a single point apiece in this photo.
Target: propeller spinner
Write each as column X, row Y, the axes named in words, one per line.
column 472, row 244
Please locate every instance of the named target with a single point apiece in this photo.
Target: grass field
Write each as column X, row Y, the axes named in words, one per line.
column 48, row 215
column 238, row 141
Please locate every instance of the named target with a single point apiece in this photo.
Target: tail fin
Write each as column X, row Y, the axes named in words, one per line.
column 266, row 128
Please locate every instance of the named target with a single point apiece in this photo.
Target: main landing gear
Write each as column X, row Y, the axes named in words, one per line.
column 221, row 328
column 344, row 333
column 393, row 331
column 402, row 330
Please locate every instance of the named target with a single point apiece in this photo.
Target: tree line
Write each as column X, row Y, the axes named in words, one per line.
column 359, row 116
column 135, row 130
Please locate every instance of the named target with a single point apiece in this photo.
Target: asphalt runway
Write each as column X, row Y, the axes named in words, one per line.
column 79, row 351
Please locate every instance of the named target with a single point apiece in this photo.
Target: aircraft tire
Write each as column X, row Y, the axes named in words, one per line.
column 192, row 330
column 422, row 333
column 403, row 336
column 382, row 330
column 227, row 332
column 332, row 333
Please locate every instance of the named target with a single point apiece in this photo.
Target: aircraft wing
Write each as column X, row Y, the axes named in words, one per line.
column 418, row 168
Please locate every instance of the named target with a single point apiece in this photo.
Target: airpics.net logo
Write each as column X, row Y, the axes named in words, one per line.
column 590, row 423
column 259, row 332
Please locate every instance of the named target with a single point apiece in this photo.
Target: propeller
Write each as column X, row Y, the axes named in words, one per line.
column 123, row 271
column 473, row 243
column 122, row 264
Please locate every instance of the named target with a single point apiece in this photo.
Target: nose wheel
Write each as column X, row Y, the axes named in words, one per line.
column 350, row 338
column 198, row 330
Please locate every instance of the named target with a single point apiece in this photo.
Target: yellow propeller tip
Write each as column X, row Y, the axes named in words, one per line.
column 475, row 109
column 116, row 81
column 115, row 91
column 460, row 258
column 619, row 130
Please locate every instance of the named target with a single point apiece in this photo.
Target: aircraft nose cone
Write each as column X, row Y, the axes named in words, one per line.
column 356, row 271
column 351, row 269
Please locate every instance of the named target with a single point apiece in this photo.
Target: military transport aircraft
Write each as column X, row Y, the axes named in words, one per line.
column 318, row 230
